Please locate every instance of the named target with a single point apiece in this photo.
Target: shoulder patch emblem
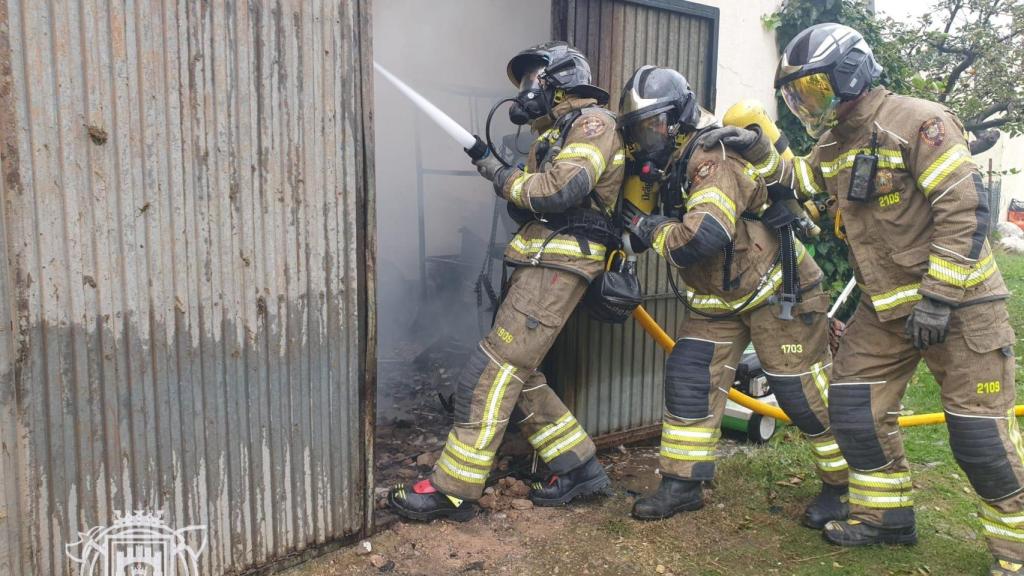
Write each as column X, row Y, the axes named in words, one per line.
column 704, row 170
column 933, row 131
column 592, row 126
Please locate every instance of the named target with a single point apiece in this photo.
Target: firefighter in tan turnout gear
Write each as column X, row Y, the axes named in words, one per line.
column 916, row 219
column 747, row 279
column 563, row 198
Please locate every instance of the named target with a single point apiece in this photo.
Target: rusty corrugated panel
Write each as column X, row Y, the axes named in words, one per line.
column 613, row 376
column 187, row 241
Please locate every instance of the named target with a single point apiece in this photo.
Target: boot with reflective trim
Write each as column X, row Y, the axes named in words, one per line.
column 586, row 480
column 1003, row 567
column 850, row 533
column 423, row 501
column 832, row 503
column 673, row 496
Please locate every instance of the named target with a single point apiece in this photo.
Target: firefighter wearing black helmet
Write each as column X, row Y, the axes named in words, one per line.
column 916, row 217
column 726, row 245
column 563, row 198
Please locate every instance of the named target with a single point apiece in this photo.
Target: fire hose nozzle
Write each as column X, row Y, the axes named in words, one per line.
column 478, row 150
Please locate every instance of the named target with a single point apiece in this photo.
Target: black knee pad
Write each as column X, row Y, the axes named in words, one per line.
column 688, row 378
column 790, row 394
column 468, row 380
column 849, row 410
column 979, row 450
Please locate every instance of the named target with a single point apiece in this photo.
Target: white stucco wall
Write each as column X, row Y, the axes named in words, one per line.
column 747, row 55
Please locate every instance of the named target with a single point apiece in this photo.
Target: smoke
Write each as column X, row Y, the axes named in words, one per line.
column 435, row 215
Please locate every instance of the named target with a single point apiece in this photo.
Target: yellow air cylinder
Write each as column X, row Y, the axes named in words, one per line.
column 750, row 112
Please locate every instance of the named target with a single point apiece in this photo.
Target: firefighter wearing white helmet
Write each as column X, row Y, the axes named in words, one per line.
column 914, row 212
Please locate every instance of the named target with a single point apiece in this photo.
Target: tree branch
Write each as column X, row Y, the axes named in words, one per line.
column 979, row 126
column 954, row 75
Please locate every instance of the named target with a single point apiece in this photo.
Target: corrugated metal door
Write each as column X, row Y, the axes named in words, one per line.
column 187, row 232
column 612, row 376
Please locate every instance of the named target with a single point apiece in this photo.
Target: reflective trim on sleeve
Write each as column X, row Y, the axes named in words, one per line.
column 959, row 275
column 806, row 176
column 949, row 161
column 715, row 197
column 659, row 242
column 765, row 168
column 896, row 297
column 515, row 192
column 587, row 152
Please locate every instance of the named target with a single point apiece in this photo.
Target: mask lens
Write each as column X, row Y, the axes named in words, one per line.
column 650, row 134
column 811, row 99
column 529, row 80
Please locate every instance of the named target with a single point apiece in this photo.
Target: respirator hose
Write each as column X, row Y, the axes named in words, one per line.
column 487, row 132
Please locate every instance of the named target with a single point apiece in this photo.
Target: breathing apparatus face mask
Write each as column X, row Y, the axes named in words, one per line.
column 531, row 102
column 652, row 139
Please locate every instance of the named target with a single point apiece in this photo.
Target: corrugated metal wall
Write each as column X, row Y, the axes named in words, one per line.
column 188, row 231
column 612, row 376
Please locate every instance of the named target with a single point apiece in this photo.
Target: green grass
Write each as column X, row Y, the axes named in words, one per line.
column 950, row 533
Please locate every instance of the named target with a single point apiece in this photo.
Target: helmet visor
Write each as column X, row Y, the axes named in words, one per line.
column 650, row 135
column 812, row 100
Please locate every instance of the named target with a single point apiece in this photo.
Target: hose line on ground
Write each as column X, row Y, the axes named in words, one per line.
column 650, row 325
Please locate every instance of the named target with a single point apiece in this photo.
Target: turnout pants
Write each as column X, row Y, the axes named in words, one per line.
column 701, row 369
column 502, row 373
column 975, row 371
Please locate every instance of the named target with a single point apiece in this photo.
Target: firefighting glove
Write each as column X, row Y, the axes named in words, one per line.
column 928, row 323
column 643, row 227
column 734, row 137
column 488, row 166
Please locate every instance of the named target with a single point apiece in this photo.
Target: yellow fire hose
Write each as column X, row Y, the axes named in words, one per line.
column 650, row 325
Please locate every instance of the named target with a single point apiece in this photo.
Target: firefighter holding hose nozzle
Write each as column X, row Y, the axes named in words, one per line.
column 747, row 278
column 564, row 199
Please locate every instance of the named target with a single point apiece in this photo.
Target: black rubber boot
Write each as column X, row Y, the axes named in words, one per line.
column 850, row 533
column 1004, row 567
column 423, row 501
column 586, row 480
column 830, row 504
column 673, row 496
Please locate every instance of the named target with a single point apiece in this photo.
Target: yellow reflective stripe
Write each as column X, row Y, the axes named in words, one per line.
column 586, row 151
column 687, row 455
column 1013, row 431
column 712, row 302
column 959, row 275
column 831, row 464
column 895, row 481
column 806, row 176
column 887, row 158
column 515, row 193
column 659, row 242
column 994, row 515
column 693, row 434
column 715, row 197
column 556, row 246
column 765, row 168
column 896, row 297
column 538, row 438
column 1001, row 531
column 467, row 452
column 492, row 409
column 462, row 472
column 950, row 160
column 872, row 499
column 564, row 445
column 820, row 381
column 826, row 448
column 550, row 135
column 620, row 158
